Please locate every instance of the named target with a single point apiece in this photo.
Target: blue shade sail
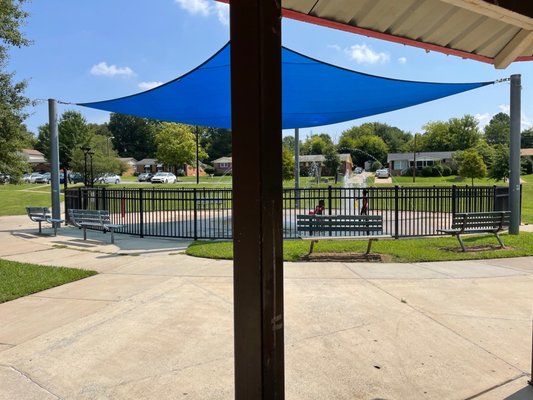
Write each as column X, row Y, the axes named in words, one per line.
column 313, row 94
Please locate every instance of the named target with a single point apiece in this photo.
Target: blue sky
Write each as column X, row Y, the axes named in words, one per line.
column 97, row 50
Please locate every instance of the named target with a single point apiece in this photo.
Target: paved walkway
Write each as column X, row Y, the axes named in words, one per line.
column 156, row 324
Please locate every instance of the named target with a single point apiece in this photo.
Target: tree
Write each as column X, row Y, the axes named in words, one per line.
column 216, row 142
column 289, row 142
column 73, row 132
column 498, row 129
column 369, row 148
column 526, row 139
column 464, row 132
column 394, row 137
column 176, row 145
column 332, row 161
column 287, row 167
column 436, row 137
column 316, row 144
column 472, row 166
column 104, row 159
column 133, row 136
column 499, row 169
column 13, row 134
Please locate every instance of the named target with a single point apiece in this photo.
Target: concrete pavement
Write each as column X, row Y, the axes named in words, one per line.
column 157, row 324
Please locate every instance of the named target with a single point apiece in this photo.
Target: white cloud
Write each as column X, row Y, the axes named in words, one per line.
column 149, row 85
column 526, row 122
column 102, row 69
column 402, row 60
column 506, row 108
column 335, row 47
column 483, row 119
column 363, row 54
column 205, row 8
column 222, row 12
column 195, row 6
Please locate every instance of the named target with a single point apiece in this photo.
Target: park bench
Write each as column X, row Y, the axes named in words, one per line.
column 486, row 222
column 42, row 214
column 353, row 227
column 96, row 219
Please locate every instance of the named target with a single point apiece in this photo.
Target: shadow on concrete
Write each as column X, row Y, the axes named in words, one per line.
column 525, row 393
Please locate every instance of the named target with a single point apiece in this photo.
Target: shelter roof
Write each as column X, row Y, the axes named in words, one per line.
column 496, row 32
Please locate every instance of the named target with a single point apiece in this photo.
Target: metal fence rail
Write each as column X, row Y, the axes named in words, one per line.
column 207, row 213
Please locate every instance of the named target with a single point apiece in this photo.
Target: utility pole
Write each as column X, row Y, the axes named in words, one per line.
column 514, row 152
column 54, row 158
column 414, row 162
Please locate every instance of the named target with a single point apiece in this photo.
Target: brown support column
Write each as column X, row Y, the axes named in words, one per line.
column 257, row 198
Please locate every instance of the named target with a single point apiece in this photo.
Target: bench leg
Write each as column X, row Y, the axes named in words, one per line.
column 461, row 243
column 112, row 236
column 40, row 231
column 499, row 240
column 369, row 246
column 84, row 234
column 55, row 228
column 311, row 247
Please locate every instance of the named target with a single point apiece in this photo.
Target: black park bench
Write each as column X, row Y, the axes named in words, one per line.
column 351, row 227
column 486, row 222
column 96, row 219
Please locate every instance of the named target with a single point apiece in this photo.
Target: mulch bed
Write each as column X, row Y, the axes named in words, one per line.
column 477, row 248
column 347, row 257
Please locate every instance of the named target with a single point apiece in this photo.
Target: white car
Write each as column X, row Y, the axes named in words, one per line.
column 164, row 177
column 33, row 177
column 109, row 178
column 382, row 173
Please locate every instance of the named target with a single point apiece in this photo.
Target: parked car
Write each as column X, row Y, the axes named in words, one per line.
column 164, row 177
column 109, row 178
column 75, row 177
column 382, row 173
column 4, row 178
column 43, row 178
column 358, row 170
column 26, row 178
column 33, row 177
column 145, row 177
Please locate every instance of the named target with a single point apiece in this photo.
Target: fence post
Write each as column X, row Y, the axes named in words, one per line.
column 141, row 214
column 453, row 199
column 396, row 211
column 329, row 199
column 195, row 215
column 104, row 199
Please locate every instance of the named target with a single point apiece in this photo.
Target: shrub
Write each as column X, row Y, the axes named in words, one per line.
column 437, row 170
column 446, row 170
column 427, row 170
column 208, row 169
column 375, row 166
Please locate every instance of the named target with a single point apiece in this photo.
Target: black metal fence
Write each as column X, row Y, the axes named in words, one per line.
column 207, row 213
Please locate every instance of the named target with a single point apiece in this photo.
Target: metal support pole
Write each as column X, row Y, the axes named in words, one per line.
column 514, row 159
column 54, row 158
column 297, row 167
column 197, row 160
column 255, row 33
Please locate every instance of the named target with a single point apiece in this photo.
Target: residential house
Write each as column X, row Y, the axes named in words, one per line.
column 131, row 163
column 308, row 162
column 222, row 165
column 399, row 163
column 149, row 165
column 36, row 159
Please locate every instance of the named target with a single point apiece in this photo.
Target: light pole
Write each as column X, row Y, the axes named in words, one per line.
column 91, row 154
column 107, row 143
column 86, row 150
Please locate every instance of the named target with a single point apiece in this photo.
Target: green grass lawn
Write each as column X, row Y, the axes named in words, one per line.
column 442, row 181
column 15, row 198
column 403, row 250
column 527, row 199
column 21, row 279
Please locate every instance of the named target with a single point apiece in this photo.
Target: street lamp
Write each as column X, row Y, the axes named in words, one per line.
column 86, row 150
column 91, row 154
column 107, row 142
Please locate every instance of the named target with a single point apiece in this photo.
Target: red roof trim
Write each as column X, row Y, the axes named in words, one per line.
column 384, row 36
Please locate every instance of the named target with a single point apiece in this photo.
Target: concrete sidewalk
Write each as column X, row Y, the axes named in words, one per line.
column 157, row 324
